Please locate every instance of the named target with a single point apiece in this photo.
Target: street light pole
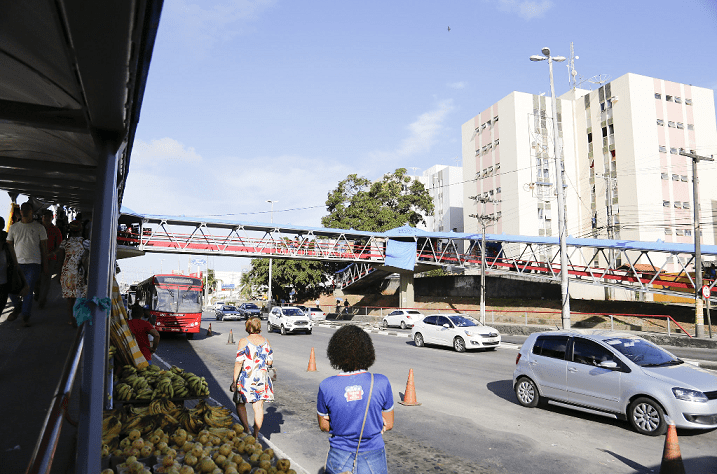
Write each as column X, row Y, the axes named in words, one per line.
column 564, row 291
column 484, row 220
column 270, row 259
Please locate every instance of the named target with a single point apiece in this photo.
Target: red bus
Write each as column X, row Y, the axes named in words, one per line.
column 174, row 301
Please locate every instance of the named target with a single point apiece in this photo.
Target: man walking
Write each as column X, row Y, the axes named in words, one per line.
column 29, row 240
column 54, row 237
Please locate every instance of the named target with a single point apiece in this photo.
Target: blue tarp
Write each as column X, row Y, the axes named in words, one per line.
column 400, row 254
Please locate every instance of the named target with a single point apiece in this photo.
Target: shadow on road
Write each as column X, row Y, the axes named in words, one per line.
column 503, row 389
column 273, row 419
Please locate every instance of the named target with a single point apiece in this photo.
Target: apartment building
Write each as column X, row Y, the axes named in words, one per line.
column 623, row 175
column 444, row 185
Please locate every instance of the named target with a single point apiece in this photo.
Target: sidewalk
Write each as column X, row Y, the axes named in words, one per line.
column 31, row 363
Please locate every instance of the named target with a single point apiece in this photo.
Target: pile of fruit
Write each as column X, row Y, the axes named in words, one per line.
column 154, row 383
column 205, row 441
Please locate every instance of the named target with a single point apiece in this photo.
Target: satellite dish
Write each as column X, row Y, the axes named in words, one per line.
column 600, row 79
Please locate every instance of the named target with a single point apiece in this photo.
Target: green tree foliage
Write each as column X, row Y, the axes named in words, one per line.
column 210, row 281
column 306, row 277
column 359, row 204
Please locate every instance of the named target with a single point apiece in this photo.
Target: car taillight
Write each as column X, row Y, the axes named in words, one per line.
column 517, row 358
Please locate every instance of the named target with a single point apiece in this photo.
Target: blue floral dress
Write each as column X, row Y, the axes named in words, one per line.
column 253, row 383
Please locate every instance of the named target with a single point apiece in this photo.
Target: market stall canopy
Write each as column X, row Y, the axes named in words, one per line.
column 72, row 77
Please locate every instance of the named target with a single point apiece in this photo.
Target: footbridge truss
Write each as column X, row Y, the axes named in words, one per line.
column 650, row 267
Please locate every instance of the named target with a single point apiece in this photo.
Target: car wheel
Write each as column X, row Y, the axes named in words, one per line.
column 459, row 344
column 385, row 323
column 217, row 316
column 309, row 331
column 269, row 328
column 418, row 339
column 283, row 330
column 647, row 417
column 403, row 324
column 527, row 393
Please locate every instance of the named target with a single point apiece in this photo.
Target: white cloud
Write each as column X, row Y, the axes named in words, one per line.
column 163, row 149
column 526, row 9
column 457, row 85
column 423, row 133
column 198, row 26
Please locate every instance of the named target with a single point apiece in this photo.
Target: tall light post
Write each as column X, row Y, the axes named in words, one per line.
column 270, row 260
column 565, row 294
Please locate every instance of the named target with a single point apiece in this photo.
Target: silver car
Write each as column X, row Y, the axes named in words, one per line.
column 616, row 375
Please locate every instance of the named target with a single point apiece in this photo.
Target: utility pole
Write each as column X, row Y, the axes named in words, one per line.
column 270, row 259
column 699, row 314
column 609, row 292
column 484, row 220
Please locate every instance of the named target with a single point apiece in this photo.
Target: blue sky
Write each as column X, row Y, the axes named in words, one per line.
column 273, row 99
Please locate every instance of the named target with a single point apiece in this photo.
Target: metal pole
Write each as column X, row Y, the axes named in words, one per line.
column 564, row 290
column 270, row 259
column 482, row 272
column 101, row 271
column 709, row 318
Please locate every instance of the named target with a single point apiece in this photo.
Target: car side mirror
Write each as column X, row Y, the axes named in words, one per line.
column 447, row 326
column 608, row 364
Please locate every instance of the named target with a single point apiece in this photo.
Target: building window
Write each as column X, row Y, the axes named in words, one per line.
column 678, row 100
column 499, row 214
column 688, row 232
column 677, row 205
column 680, row 125
column 683, row 178
column 662, row 149
column 477, row 152
column 671, row 124
column 495, row 119
column 690, row 126
column 602, row 106
column 496, row 142
column 668, row 231
column 668, row 98
column 685, row 205
column 679, row 232
column 663, row 175
column 658, row 95
column 497, row 190
column 665, row 203
column 688, row 101
column 673, row 151
column 660, row 122
column 675, row 177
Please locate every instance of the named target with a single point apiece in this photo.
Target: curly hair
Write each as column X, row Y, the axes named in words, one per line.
column 253, row 326
column 351, row 348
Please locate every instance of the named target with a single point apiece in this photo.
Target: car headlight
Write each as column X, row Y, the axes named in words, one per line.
column 468, row 333
column 689, row 395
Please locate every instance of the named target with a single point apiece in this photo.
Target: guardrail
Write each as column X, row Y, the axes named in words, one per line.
column 44, row 453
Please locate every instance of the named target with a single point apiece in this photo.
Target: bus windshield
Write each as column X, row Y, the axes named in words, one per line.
column 170, row 300
column 190, row 301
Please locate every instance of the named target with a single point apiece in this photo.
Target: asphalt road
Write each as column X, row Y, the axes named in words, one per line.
column 468, row 420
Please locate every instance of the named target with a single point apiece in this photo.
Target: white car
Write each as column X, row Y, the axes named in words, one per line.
column 403, row 318
column 316, row 314
column 458, row 330
column 288, row 319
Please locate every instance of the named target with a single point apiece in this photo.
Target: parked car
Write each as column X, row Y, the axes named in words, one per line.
column 249, row 310
column 616, row 375
column 227, row 312
column 288, row 319
column 457, row 330
column 403, row 318
column 316, row 314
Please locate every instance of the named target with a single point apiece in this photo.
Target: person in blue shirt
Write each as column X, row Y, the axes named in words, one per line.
column 341, row 405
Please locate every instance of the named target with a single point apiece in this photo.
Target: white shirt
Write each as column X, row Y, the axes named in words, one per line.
column 26, row 239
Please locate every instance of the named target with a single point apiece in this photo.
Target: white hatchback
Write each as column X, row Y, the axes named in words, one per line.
column 458, row 330
column 403, row 318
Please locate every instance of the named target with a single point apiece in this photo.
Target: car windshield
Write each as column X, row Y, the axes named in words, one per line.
column 463, row 321
column 251, row 306
column 318, row 310
column 414, row 312
column 293, row 312
column 229, row 308
column 642, row 352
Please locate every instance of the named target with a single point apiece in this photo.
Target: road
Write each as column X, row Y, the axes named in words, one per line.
column 468, row 420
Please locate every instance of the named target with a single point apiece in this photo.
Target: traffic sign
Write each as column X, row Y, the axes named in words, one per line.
column 199, row 261
column 706, row 292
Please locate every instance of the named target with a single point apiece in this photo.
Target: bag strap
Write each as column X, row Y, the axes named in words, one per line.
column 353, row 469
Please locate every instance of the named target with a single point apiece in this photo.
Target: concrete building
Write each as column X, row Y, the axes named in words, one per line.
column 623, row 175
column 444, row 185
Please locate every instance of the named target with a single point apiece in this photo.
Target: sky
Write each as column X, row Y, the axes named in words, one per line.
column 256, row 100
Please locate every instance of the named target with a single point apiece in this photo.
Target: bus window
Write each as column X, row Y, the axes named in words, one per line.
column 189, row 301
column 165, row 301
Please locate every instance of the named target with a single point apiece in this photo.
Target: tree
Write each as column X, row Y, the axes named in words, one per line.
column 306, row 277
column 359, row 204
column 210, row 281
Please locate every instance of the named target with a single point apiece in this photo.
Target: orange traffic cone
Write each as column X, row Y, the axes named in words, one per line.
column 209, row 330
column 671, row 457
column 231, row 337
column 409, row 398
column 312, row 362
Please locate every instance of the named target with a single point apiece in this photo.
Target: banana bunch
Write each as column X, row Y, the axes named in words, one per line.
column 128, row 370
column 161, row 406
column 137, row 422
column 192, row 423
column 111, row 351
column 164, row 388
column 144, row 394
column 176, row 370
column 218, row 417
column 111, row 428
column 124, row 392
column 138, row 383
column 197, row 385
